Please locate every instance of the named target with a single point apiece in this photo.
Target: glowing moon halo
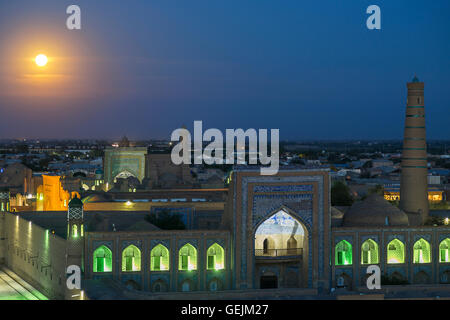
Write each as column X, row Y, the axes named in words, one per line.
column 41, row 60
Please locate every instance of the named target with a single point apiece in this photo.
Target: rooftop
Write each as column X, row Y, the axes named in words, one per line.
column 94, row 221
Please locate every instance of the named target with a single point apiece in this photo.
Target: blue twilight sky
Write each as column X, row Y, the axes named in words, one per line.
column 144, row 68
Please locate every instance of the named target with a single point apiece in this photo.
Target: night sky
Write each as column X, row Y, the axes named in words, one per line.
column 144, row 68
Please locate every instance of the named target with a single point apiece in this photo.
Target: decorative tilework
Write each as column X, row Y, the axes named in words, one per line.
column 266, row 205
column 137, row 243
column 98, row 243
column 420, row 236
column 287, row 188
column 193, row 242
column 164, row 242
column 287, row 179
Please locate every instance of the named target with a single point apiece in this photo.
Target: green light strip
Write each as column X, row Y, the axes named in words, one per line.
column 408, row 127
column 413, row 148
column 415, row 106
column 415, row 116
column 408, row 138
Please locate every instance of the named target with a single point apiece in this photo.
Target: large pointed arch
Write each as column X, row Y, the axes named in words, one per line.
column 278, row 233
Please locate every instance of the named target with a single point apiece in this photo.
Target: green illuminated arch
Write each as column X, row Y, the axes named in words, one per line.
column 159, row 257
column 369, row 252
column 395, row 252
column 187, row 257
column 215, row 257
column 102, row 261
column 422, row 251
column 343, row 253
column 444, row 247
column 131, row 258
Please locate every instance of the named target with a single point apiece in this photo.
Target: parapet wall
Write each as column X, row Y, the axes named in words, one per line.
column 34, row 254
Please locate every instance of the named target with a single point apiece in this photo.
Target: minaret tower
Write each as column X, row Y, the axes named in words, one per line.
column 4, row 200
column 414, row 185
column 4, row 207
column 75, row 242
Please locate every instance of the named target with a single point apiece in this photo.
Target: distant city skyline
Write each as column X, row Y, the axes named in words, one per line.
column 311, row 69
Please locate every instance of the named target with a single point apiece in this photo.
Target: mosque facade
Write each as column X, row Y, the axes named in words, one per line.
column 275, row 232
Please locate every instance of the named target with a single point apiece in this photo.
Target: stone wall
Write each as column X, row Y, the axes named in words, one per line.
column 34, row 254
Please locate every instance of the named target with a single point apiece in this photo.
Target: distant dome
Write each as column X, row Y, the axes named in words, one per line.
column 75, row 202
column 415, row 79
column 374, row 211
column 98, row 171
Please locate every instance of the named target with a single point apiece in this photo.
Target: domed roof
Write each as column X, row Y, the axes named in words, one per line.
column 374, row 211
column 75, row 202
column 99, row 171
column 336, row 213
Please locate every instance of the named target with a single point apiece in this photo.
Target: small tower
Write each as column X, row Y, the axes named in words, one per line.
column 4, row 200
column 75, row 219
column 4, row 207
column 75, row 241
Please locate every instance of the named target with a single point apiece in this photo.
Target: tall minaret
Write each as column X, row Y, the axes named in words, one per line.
column 414, row 185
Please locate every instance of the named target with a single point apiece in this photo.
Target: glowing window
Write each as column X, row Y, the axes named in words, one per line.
column 444, row 247
column 343, row 253
column 131, row 259
column 369, row 252
column 215, row 257
column 395, row 252
column 159, row 258
column 102, row 259
column 187, row 257
column 74, row 231
column 422, row 251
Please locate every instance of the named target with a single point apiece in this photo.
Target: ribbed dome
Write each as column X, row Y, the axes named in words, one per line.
column 374, row 211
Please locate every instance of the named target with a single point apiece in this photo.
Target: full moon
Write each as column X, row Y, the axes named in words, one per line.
column 41, row 60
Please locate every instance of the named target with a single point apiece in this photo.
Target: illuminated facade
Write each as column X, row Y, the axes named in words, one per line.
column 124, row 162
column 433, row 195
column 275, row 233
column 51, row 196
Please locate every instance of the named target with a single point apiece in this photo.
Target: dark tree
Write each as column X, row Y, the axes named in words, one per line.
column 378, row 189
column 340, row 194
